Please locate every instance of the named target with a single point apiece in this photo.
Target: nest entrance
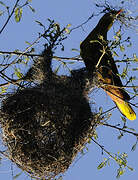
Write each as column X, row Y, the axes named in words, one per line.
column 45, row 127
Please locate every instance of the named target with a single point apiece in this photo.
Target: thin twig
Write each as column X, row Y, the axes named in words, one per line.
column 39, row 55
column 82, row 23
column 9, row 17
column 103, row 149
column 100, row 59
column 125, row 60
column 15, row 82
column 109, row 110
column 110, row 155
column 10, row 81
column 120, row 129
column 4, row 154
column 67, row 58
column 13, row 62
column 19, row 53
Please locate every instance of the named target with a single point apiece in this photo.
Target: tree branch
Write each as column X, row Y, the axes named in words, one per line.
column 21, row 54
column 39, row 55
column 120, row 129
column 9, row 17
column 109, row 110
column 103, row 149
column 82, row 23
column 4, row 154
column 115, row 157
column 15, row 82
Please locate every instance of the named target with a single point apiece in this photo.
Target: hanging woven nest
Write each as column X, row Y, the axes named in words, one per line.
column 44, row 127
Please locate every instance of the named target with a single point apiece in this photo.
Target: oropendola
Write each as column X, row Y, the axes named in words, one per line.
column 99, row 60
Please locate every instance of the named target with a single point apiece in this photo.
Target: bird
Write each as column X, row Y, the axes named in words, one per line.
column 98, row 60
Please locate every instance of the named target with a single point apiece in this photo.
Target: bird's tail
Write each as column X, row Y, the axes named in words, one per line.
column 117, row 95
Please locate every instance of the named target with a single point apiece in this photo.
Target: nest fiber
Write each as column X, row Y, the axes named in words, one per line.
column 44, row 127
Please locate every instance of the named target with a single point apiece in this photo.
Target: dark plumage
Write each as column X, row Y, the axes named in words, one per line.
column 98, row 59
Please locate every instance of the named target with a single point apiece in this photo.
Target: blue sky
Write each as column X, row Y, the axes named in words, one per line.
column 75, row 12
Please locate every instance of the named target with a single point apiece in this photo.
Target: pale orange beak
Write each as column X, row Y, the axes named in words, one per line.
column 118, row 12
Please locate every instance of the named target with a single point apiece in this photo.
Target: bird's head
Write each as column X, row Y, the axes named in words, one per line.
column 107, row 20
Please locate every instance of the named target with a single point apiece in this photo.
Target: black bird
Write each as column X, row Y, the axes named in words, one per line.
column 98, row 59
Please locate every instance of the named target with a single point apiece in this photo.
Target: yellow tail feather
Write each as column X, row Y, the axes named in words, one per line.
column 126, row 110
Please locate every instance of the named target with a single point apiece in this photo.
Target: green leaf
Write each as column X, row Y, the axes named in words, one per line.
column 1, row 13
column 132, row 129
column 129, row 45
column 101, row 37
column 130, row 168
column 123, row 119
column 132, row 78
column 2, row 3
column 18, row 73
column 135, row 58
column 68, row 25
column 60, row 178
column 122, row 48
column 135, row 69
column 124, row 73
column 102, row 164
column 115, row 54
column 118, row 33
column 26, row 58
column 17, row 175
column 120, row 136
column 18, row 14
column 71, row 62
column 116, row 38
column 67, row 30
column 73, row 49
column 95, row 135
column 32, row 9
column 120, row 172
column 28, row 43
column 100, row 110
column 134, row 147
column 39, row 23
column 3, row 89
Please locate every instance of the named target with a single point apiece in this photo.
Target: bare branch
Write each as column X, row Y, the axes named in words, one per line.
column 9, row 17
column 103, row 149
column 4, row 154
column 20, row 53
column 15, row 82
column 82, row 23
column 120, row 129
column 109, row 110
column 39, row 55
column 125, row 60
column 16, row 59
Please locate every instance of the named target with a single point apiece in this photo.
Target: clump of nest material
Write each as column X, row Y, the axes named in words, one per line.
column 44, row 127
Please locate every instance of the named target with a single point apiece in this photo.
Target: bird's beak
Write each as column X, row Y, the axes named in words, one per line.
column 118, row 12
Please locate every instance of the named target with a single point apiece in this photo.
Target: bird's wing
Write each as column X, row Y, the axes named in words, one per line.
column 90, row 51
column 117, row 94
